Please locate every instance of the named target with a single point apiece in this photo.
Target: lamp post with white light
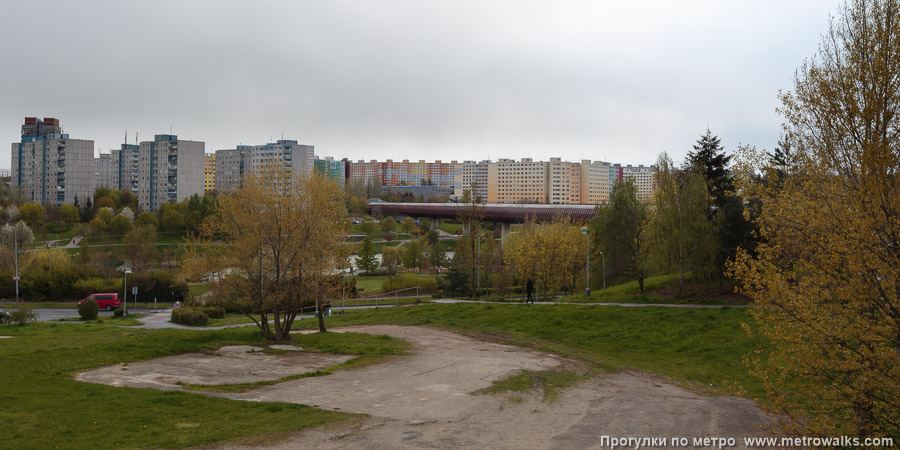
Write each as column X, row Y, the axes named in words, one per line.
column 587, row 262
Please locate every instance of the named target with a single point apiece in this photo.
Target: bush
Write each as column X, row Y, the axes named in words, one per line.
column 426, row 285
column 119, row 312
column 230, row 306
column 22, row 316
column 88, row 310
column 214, row 312
column 89, row 286
column 189, row 316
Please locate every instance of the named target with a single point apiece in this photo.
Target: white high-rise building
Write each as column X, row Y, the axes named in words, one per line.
column 595, row 182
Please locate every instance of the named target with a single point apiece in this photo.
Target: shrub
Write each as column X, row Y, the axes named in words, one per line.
column 189, row 316
column 230, row 306
column 22, row 316
column 214, row 312
column 88, row 310
column 89, row 286
column 119, row 312
column 408, row 280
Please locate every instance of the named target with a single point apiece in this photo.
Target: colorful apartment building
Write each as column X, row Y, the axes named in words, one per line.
column 209, row 173
column 402, row 173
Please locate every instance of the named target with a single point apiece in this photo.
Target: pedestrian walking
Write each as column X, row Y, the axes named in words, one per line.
column 529, row 291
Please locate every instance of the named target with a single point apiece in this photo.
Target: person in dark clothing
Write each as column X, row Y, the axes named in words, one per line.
column 529, row 291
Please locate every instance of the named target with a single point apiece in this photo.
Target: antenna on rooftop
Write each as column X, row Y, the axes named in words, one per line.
column 135, row 137
column 126, row 136
column 170, row 129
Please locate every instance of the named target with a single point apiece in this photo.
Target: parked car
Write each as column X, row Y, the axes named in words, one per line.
column 108, row 301
column 4, row 317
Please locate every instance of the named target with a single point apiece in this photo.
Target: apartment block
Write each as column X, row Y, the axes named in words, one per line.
column 524, row 181
column 233, row 165
column 564, row 182
column 127, row 161
column 50, row 167
column 106, row 173
column 644, row 179
column 403, row 173
column 468, row 174
column 230, row 166
column 209, row 173
column 596, row 182
column 295, row 157
column 364, row 172
column 169, row 170
column 330, row 168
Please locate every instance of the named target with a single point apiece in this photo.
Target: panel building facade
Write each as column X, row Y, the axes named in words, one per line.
column 233, row 165
column 169, row 170
column 50, row 167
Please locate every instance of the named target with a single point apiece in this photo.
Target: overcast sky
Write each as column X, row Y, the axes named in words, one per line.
column 615, row 81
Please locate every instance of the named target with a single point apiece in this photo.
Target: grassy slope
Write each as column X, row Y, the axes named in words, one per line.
column 44, row 407
column 663, row 289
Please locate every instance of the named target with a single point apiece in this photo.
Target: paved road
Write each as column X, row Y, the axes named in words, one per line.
column 162, row 319
column 52, row 314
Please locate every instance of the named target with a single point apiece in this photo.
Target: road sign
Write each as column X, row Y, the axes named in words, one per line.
column 15, row 278
column 134, row 290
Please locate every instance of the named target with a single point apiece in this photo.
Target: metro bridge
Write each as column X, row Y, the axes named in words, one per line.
column 503, row 213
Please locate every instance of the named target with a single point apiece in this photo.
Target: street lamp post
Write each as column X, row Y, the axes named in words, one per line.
column 604, row 269
column 125, row 303
column 587, row 263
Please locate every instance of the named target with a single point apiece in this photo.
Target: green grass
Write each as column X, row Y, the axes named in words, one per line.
column 368, row 349
column 451, row 228
column 548, row 381
column 43, row 407
column 369, row 285
column 197, row 289
column 701, row 347
column 229, row 319
column 448, row 244
column 704, row 292
column 131, row 320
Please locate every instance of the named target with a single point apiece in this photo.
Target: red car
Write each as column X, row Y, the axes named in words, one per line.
column 108, row 301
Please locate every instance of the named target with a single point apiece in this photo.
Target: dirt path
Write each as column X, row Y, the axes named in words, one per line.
column 408, row 411
column 425, row 399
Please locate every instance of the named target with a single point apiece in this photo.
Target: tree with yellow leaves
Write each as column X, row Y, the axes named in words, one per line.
column 549, row 253
column 827, row 277
column 284, row 236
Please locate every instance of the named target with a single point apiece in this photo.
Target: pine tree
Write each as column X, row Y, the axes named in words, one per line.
column 365, row 258
column 710, row 160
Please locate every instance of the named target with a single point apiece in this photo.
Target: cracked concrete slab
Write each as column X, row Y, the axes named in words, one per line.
column 226, row 365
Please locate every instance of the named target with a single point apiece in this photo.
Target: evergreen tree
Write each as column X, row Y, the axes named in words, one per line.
column 365, row 258
column 726, row 208
column 710, row 160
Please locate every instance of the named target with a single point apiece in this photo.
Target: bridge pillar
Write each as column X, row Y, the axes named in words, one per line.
column 434, row 223
column 504, row 230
